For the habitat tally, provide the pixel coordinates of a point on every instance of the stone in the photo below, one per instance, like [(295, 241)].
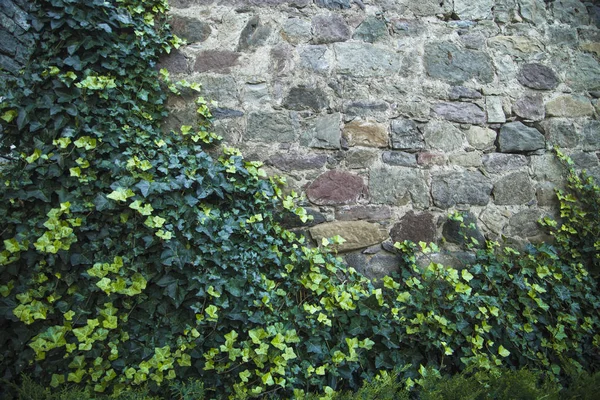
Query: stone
[(583, 73), (473, 41), (569, 106), (399, 158), (590, 135), (175, 62), (495, 112), (398, 186), (584, 160), (365, 60), (376, 267), (442, 135), (270, 127), (473, 9), (323, 132), (537, 76), (428, 159), (429, 7), (253, 35), (530, 107), (593, 47), (547, 168), (525, 223), (481, 138), (329, 29), (314, 58), (296, 31), (219, 61), (368, 213), (414, 227), (223, 89), (358, 234), (463, 232), (448, 62), (461, 92), (461, 188), (464, 113), (366, 108), (496, 163), (360, 158), (371, 30), (560, 132), (562, 35), (282, 59), (366, 133), (298, 162), (472, 159), (515, 137), (334, 4), (306, 98), (407, 27), (226, 113), (516, 46), (406, 135), (335, 188), (533, 11), (513, 189), (291, 220), (191, 29), (570, 12)]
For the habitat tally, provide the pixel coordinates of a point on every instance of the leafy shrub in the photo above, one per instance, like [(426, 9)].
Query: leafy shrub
[(134, 257)]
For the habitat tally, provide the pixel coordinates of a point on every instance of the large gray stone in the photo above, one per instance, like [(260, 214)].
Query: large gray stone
[(323, 132), (428, 7), (294, 161), (530, 107), (461, 92), (537, 76), (446, 61), (358, 234), (570, 12), (253, 35), (515, 137), (569, 106), (191, 29), (525, 223), (364, 108), (334, 4), (465, 188), (175, 62), (414, 227), (547, 167), (359, 158), (360, 212), (463, 232), (306, 98), (371, 30), (335, 188), (516, 46), (590, 135), (406, 135), (442, 135), (481, 138), (464, 113), (495, 111), (397, 186), (560, 132), (314, 58), (399, 158), (365, 60), (270, 127), (515, 188), (473, 9), (584, 73), (533, 11), (496, 163), (296, 30), (329, 29)]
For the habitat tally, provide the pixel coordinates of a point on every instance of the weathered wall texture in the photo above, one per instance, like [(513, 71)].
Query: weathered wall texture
[(16, 36), (390, 114)]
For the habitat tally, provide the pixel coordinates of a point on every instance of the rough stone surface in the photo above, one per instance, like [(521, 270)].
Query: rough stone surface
[(397, 186), (366, 133), (496, 163), (561, 132), (296, 162), (334, 4), (465, 113), (461, 92), (473, 10), (537, 76), (530, 107), (371, 30), (514, 188), (306, 98), (516, 46), (329, 29), (369, 213), (290, 220), (336, 188), (365, 60), (515, 137), (220, 61), (399, 158), (190, 29), (454, 232), (569, 106), (590, 135), (481, 138), (270, 127), (176, 63), (414, 227), (442, 135), (296, 30), (358, 234), (360, 158), (428, 159), (323, 132), (253, 35), (315, 58), (468, 188), (583, 73), (572, 12), (472, 159), (524, 223), (448, 62), (406, 135), (495, 112)]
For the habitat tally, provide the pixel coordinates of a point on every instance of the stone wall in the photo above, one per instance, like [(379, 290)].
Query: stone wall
[(16, 36), (391, 114)]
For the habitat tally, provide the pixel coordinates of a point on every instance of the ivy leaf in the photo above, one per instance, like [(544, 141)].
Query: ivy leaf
[(121, 194), (503, 352)]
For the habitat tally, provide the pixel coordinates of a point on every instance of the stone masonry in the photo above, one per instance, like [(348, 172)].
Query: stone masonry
[(391, 114)]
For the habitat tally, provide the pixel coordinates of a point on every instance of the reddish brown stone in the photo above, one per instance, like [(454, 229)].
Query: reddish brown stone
[(335, 188), (175, 63), (216, 60), (414, 227)]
